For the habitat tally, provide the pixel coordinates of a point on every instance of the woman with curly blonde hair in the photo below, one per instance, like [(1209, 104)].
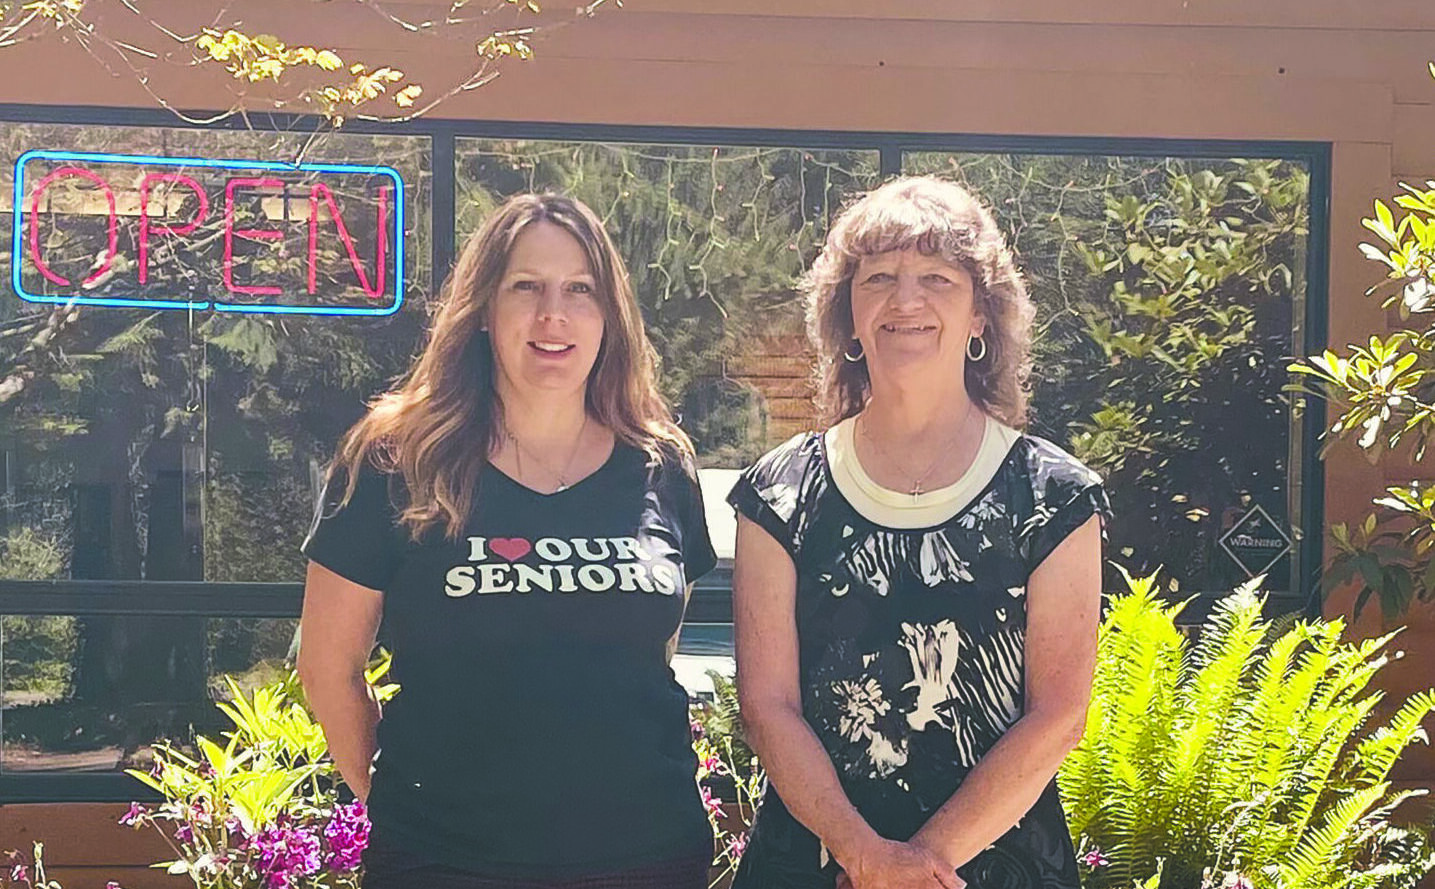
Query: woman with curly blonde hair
[(523, 515), (916, 588)]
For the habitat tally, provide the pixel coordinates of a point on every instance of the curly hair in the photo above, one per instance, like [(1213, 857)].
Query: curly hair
[(938, 218), (437, 426)]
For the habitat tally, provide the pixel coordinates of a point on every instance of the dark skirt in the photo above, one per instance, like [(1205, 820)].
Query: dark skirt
[(390, 866)]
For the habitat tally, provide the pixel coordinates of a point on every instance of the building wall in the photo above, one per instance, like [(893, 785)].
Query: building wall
[(1352, 75)]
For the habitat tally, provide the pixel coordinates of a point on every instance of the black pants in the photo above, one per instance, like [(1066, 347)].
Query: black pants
[(390, 866)]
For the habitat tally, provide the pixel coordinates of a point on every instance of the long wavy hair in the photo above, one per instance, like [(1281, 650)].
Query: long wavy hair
[(438, 425), (939, 218)]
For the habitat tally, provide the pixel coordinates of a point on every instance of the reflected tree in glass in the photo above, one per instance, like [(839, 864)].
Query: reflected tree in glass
[(715, 239), (1169, 294)]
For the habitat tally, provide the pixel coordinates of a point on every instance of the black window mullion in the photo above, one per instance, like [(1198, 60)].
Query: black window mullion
[(443, 202)]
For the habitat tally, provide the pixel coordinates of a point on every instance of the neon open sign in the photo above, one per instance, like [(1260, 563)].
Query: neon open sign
[(199, 233)]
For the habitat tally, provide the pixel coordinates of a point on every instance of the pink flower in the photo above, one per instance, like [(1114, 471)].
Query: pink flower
[(697, 729), (184, 833), (19, 874), (713, 764), (112, 885), (736, 846), (713, 804), (285, 853), (136, 815), (1094, 859)]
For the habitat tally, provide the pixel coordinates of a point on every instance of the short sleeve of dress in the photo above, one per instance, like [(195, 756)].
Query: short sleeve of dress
[(698, 555), (359, 541), (1067, 495), (767, 491)]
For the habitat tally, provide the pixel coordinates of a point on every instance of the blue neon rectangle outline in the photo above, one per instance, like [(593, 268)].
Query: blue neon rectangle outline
[(17, 242)]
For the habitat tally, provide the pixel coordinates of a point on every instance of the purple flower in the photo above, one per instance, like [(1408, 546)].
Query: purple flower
[(136, 815), (184, 833), (347, 835), (285, 852), (1095, 859), (697, 729)]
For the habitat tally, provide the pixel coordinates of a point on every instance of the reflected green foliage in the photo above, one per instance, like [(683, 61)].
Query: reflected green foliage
[(1166, 292), (1260, 750), (714, 238), (36, 653)]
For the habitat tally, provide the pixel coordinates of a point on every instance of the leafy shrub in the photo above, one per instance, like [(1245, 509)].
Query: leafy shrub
[(264, 809)]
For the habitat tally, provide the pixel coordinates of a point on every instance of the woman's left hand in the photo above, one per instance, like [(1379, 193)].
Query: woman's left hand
[(845, 882)]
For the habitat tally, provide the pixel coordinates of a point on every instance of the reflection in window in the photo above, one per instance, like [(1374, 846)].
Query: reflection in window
[(146, 444), (714, 239), (1169, 293), (169, 445)]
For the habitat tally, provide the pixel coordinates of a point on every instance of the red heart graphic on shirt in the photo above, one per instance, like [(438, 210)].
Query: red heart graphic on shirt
[(511, 548)]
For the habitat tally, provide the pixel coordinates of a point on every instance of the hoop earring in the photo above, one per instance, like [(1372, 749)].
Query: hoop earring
[(861, 352), (980, 355)]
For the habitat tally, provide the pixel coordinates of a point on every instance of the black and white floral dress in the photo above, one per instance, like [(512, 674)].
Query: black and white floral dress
[(911, 619)]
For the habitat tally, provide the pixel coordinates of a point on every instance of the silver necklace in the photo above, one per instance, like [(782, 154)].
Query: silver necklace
[(916, 489), (562, 475)]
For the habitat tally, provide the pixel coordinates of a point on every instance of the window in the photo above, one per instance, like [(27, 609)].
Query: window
[(143, 443), (150, 443)]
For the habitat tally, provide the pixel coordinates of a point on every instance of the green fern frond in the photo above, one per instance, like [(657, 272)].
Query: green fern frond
[(1253, 750)]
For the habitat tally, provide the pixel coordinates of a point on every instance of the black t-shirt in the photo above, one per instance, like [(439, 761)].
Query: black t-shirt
[(911, 651), (539, 731)]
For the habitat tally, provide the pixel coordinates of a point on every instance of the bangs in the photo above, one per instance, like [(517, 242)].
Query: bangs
[(898, 221)]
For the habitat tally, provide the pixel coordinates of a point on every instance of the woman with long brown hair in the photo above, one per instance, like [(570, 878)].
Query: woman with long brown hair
[(523, 514)]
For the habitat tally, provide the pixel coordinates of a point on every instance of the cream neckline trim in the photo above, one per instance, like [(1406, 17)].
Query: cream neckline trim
[(897, 509)]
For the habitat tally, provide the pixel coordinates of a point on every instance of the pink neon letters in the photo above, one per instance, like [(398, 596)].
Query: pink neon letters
[(145, 227), (154, 206), (112, 225)]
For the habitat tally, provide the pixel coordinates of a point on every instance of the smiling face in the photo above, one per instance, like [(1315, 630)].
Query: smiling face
[(546, 320), (913, 312)]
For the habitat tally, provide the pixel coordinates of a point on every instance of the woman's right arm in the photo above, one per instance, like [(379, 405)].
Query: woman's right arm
[(336, 637), (769, 696)]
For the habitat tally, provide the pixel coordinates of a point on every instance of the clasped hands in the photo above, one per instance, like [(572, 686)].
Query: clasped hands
[(892, 864)]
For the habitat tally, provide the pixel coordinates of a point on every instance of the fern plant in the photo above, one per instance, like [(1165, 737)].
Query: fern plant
[(1252, 757)]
